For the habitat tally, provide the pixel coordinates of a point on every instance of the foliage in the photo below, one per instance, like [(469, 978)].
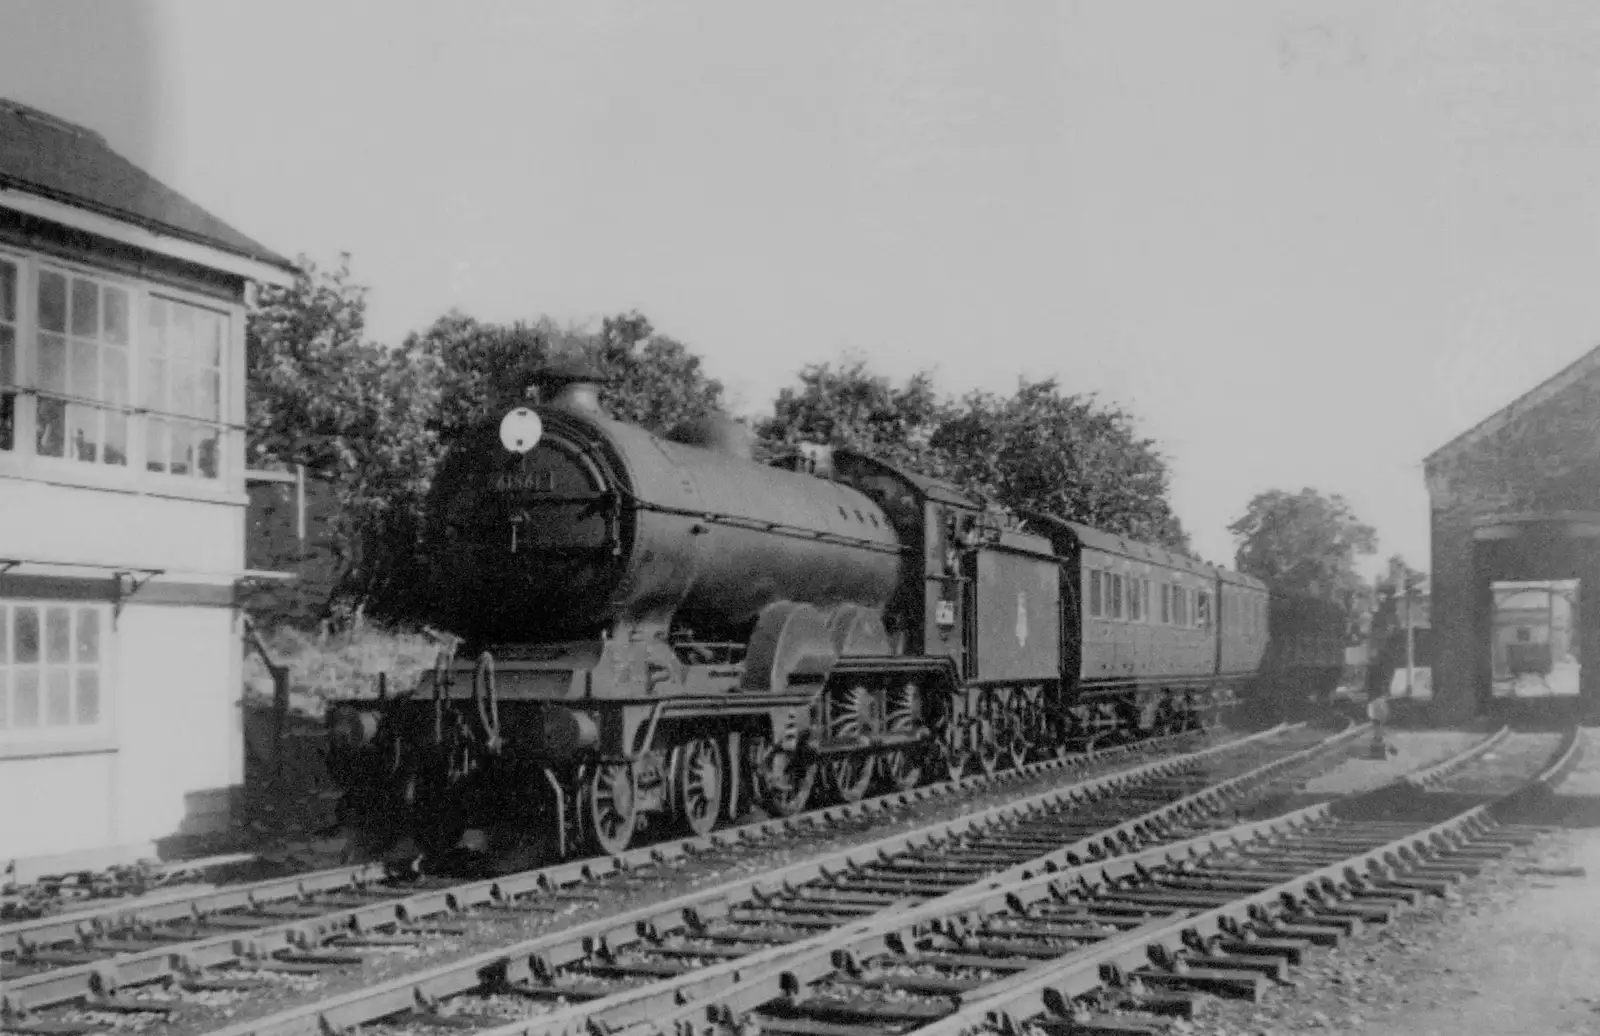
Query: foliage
[(847, 405), (372, 421), (1035, 450), (1304, 542), (647, 379), (321, 395), (346, 662), (1064, 455)]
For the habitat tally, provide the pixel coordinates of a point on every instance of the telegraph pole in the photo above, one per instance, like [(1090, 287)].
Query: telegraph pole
[(1411, 645), (1402, 589)]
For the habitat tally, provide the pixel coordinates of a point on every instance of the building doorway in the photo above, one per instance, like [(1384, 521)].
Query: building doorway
[(1534, 646)]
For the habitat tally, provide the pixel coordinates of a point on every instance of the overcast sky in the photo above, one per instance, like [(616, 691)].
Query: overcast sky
[(1306, 243)]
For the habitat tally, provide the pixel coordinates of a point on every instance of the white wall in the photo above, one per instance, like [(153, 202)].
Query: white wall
[(178, 715), (40, 520), (57, 804), (176, 730)]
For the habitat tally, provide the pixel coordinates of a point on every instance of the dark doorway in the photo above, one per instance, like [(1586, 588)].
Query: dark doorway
[(1533, 639), (1537, 597)]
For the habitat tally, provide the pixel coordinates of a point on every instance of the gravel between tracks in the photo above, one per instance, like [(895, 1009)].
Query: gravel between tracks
[(1514, 950), (1357, 773)]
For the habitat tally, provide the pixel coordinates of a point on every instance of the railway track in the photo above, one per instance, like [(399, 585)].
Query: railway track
[(262, 963), (106, 927), (1225, 911)]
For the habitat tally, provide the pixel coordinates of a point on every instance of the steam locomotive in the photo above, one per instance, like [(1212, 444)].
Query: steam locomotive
[(662, 632)]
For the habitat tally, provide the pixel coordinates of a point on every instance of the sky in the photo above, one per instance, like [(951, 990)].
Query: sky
[(1304, 242)]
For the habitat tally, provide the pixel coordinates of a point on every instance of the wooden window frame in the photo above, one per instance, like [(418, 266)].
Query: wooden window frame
[(43, 737), (24, 461)]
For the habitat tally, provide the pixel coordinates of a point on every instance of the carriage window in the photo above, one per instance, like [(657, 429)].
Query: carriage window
[(1116, 597), (1135, 605), (1180, 606), (1203, 610), (1166, 604), (1096, 603)]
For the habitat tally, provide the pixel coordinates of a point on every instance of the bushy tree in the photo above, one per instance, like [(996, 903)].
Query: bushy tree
[(1037, 449), (320, 394), (484, 369), (1303, 542), (845, 404), (1065, 455)]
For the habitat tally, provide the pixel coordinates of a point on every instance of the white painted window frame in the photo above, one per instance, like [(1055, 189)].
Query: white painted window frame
[(23, 461), (50, 740)]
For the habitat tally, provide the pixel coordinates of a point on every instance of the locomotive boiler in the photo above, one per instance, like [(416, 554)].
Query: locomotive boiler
[(659, 632)]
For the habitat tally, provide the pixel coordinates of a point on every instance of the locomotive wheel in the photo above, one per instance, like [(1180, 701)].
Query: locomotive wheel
[(850, 778), (609, 813), (699, 781), (781, 785), (902, 769), (951, 756)]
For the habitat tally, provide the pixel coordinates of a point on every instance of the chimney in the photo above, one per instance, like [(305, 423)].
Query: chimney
[(573, 385)]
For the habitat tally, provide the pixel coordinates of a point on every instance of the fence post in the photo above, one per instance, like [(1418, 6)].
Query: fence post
[(280, 696)]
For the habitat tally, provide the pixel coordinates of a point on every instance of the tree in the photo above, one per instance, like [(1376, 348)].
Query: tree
[(651, 380), (1303, 542), (1038, 450), (847, 405), (647, 379), (1065, 455), (321, 395)]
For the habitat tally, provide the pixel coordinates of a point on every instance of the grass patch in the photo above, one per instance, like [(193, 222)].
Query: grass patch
[(344, 664)]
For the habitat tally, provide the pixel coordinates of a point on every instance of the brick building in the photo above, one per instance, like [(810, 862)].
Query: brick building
[(122, 500), (1515, 498)]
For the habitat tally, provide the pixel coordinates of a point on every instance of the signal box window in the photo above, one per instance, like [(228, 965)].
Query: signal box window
[(1116, 597), (1096, 597), (1166, 604), (182, 383), (1180, 606), (50, 670), (82, 370), (1135, 601)]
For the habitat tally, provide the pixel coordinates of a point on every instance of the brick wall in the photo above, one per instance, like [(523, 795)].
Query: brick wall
[(1542, 459)]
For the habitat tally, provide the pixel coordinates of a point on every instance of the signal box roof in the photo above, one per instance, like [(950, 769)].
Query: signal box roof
[(55, 160)]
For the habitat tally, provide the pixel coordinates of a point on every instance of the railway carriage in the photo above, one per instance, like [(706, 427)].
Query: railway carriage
[(661, 632)]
